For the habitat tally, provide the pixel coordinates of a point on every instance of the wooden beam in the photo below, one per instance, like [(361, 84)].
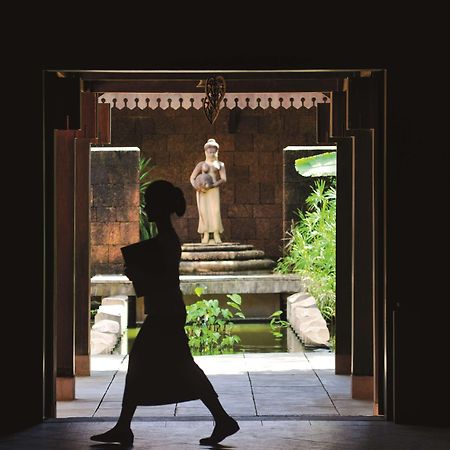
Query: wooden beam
[(308, 85), (203, 74)]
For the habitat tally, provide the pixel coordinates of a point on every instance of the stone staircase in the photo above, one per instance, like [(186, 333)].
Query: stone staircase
[(223, 259)]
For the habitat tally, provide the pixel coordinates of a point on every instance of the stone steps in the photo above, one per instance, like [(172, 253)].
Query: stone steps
[(222, 259), (222, 255), (224, 246), (190, 267)]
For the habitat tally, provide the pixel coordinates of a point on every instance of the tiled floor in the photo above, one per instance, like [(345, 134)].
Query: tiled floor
[(249, 386), (253, 435), (287, 401)]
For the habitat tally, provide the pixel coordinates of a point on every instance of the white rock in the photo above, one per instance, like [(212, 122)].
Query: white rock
[(99, 348), (108, 338), (115, 300), (306, 319), (102, 343), (106, 326), (117, 309), (109, 315)]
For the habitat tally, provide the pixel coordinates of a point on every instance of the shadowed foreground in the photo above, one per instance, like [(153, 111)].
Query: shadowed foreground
[(255, 434)]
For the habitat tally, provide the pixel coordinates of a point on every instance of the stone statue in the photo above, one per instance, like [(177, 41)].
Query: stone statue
[(206, 178)]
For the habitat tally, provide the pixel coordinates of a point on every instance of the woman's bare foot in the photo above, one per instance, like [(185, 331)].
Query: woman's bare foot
[(222, 429), (205, 238), (217, 239)]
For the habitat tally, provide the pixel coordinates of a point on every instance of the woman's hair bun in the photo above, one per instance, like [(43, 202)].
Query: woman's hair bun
[(164, 196), (179, 202)]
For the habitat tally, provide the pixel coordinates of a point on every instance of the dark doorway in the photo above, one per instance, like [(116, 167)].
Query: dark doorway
[(353, 120)]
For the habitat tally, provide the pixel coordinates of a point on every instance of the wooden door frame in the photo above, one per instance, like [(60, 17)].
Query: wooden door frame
[(288, 76)]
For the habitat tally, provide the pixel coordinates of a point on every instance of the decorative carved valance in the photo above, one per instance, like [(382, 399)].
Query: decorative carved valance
[(231, 100)]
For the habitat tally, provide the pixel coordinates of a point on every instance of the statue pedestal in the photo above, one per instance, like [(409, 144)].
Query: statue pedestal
[(231, 267), (226, 258), (220, 269)]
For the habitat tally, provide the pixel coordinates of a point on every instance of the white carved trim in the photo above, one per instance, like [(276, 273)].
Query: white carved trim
[(252, 100)]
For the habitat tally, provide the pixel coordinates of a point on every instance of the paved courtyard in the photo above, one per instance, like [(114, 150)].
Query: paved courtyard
[(250, 385), (282, 401)]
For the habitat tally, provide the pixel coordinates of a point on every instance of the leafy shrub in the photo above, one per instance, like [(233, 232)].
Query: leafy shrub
[(276, 324), (311, 247), (209, 327), (147, 229)]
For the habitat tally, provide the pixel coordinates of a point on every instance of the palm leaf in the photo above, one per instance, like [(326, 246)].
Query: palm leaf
[(317, 166)]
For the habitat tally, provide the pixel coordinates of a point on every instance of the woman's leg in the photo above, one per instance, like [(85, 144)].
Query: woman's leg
[(215, 407), (121, 431), (126, 416), (225, 424)]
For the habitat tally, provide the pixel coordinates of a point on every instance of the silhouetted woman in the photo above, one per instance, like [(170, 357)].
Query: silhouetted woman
[(161, 368)]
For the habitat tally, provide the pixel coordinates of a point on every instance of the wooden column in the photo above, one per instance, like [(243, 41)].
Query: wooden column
[(104, 123), (323, 122), (64, 176), (88, 128), (344, 233), (338, 114), (361, 99), (363, 257), (62, 110), (366, 105), (82, 255), (85, 137), (376, 120), (344, 254)]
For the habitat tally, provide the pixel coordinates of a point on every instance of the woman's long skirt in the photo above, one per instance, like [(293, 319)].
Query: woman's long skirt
[(161, 369), (209, 218)]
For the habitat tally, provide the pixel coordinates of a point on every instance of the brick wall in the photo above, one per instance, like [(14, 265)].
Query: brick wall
[(251, 146), (114, 207)]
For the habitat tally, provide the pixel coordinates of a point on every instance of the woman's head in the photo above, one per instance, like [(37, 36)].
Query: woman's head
[(162, 198), (211, 148)]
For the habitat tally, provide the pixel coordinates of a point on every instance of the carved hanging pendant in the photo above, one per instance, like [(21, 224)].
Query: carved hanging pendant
[(214, 94)]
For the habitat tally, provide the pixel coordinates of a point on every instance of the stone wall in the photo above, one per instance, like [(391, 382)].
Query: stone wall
[(114, 206), (251, 146)]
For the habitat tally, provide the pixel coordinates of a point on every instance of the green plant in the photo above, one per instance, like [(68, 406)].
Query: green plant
[(276, 324), (311, 247), (147, 229), (320, 165), (95, 303), (208, 326)]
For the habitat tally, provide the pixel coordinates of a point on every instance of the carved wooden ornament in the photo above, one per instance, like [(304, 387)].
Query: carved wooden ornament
[(215, 92)]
